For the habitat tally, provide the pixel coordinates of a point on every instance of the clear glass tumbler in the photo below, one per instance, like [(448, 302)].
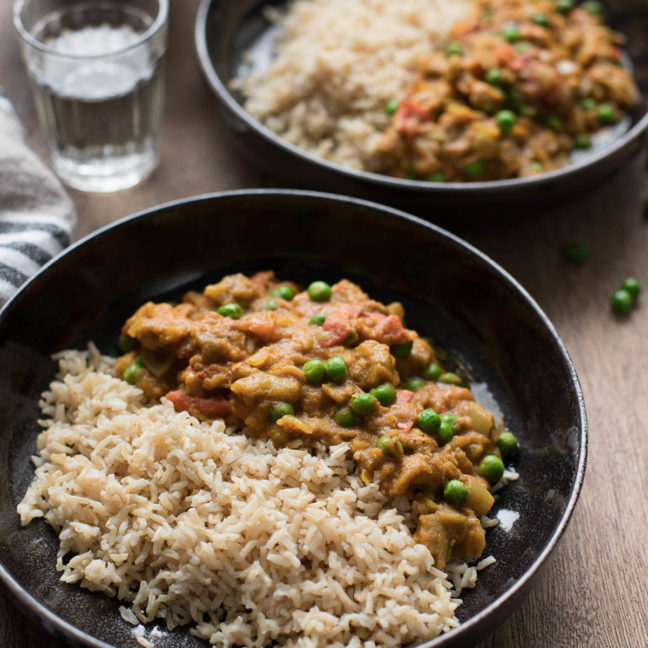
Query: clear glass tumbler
[(96, 71)]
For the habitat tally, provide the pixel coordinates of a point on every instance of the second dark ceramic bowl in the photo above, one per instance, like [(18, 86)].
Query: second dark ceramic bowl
[(226, 30), (451, 292)]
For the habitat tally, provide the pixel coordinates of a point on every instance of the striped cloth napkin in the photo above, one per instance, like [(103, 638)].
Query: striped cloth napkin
[(36, 215)]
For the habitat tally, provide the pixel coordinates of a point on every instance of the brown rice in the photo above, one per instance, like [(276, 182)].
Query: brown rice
[(338, 63), (194, 524)]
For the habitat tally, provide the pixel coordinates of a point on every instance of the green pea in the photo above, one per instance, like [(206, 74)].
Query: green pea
[(454, 49), (445, 432), (284, 292), (402, 350), (577, 253), (315, 371), (455, 492), (231, 310), (474, 169), (583, 141), (410, 175), (450, 378), (606, 114), (493, 76), (507, 444), (632, 285), (491, 468), (588, 103), (127, 343), (564, 6), (319, 291), (391, 446), (536, 166), (281, 409), (541, 19), (428, 421), (555, 123), (511, 34), (505, 120), (131, 372), (622, 301), (432, 371), (344, 417), (392, 107), (385, 394), (437, 177), (271, 305), (593, 7), (362, 404), (414, 383), (451, 420), (318, 319), (336, 369)]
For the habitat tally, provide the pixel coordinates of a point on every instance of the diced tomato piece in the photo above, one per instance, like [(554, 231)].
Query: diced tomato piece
[(387, 329), (403, 396), (504, 53), (520, 62), (393, 331), (260, 280), (263, 326), (410, 118), (405, 426), (337, 328), (213, 407)]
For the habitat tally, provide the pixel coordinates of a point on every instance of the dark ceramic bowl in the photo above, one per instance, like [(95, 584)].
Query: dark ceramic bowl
[(451, 292), (226, 30)]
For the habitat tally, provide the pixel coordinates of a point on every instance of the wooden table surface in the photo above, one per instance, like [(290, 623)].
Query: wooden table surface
[(593, 593)]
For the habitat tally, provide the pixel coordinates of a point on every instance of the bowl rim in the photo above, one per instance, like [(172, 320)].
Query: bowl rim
[(38, 609), (227, 99)]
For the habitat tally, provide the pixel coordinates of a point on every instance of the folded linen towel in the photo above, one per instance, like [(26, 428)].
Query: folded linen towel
[(36, 215)]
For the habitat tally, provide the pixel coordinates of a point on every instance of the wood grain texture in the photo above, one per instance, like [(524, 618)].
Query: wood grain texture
[(593, 592)]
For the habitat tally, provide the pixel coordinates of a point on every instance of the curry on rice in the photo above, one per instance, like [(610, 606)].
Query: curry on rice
[(461, 91), (328, 363)]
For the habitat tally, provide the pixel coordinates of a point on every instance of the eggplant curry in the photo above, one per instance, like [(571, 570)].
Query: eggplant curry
[(515, 90), (328, 363)]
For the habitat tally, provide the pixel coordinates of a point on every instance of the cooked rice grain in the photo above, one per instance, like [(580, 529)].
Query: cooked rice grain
[(194, 525), (338, 64)]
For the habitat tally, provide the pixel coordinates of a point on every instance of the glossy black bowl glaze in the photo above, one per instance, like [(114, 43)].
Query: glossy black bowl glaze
[(225, 30), (451, 292)]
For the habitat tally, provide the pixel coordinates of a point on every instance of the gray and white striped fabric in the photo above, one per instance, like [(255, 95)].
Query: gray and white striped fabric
[(36, 215)]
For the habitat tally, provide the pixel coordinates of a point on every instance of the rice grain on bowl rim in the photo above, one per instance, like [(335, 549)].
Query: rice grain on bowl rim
[(191, 523), (339, 64)]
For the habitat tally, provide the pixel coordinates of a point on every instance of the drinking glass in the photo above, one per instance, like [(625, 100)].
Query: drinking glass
[(96, 72)]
